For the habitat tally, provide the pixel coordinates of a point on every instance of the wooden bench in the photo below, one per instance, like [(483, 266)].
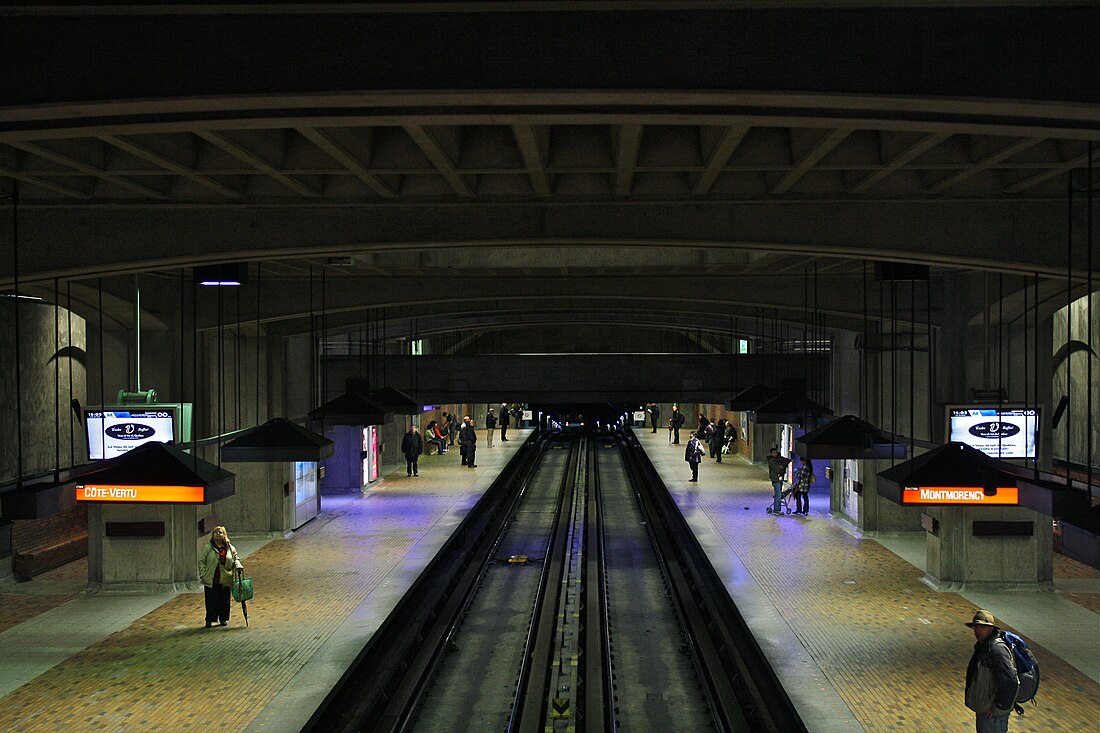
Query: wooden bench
[(38, 560)]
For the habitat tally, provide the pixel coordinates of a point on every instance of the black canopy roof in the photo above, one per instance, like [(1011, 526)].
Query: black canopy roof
[(954, 464), (161, 464), (748, 399), (351, 408), (277, 440), (789, 407), (848, 437)]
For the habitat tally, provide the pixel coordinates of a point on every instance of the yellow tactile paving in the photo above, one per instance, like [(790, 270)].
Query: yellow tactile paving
[(895, 650), (166, 672)]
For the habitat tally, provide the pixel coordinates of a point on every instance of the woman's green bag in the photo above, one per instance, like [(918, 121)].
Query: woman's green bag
[(242, 589)]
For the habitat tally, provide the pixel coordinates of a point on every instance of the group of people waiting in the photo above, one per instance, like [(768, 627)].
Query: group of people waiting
[(443, 436), (721, 437)]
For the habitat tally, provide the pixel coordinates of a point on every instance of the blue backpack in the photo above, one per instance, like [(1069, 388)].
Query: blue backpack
[(1027, 668)]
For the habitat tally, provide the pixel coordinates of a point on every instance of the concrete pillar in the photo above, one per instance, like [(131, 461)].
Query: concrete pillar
[(878, 515), (50, 433), (959, 557), (262, 505), (142, 548)]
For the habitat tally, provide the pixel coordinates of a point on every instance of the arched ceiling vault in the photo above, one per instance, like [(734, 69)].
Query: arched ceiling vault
[(700, 164)]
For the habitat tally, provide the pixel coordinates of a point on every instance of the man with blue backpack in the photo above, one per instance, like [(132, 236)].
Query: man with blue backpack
[(1002, 673)]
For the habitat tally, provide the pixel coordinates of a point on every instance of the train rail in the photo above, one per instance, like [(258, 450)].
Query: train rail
[(573, 597)]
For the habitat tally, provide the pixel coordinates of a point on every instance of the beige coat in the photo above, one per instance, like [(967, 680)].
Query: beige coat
[(208, 565)]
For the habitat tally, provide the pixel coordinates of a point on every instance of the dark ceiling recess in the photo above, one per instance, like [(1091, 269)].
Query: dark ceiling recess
[(277, 440), (232, 273)]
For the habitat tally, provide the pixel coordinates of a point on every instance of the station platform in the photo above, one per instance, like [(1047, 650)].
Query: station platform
[(104, 662), (860, 642)]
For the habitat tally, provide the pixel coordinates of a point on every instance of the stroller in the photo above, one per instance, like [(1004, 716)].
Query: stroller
[(784, 498)]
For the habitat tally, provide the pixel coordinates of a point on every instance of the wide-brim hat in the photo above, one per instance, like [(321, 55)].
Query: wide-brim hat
[(982, 618)]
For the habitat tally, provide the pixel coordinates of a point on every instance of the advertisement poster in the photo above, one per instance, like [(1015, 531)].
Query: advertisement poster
[(370, 454), (305, 492)]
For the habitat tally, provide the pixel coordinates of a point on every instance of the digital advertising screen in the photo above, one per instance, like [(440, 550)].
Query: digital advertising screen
[(113, 431), (999, 432)]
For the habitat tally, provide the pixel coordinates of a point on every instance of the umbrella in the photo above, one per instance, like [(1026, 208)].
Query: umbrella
[(242, 591)]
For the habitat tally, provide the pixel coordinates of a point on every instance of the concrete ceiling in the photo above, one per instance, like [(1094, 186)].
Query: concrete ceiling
[(424, 200)]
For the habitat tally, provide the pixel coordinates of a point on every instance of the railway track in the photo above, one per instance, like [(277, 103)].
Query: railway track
[(574, 598)]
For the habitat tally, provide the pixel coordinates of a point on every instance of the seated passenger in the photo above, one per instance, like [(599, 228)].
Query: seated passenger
[(435, 437)]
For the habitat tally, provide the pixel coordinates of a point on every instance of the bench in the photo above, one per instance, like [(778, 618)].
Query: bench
[(38, 560)]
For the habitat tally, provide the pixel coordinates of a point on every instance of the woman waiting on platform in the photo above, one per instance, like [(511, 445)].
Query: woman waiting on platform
[(217, 562), (802, 487)]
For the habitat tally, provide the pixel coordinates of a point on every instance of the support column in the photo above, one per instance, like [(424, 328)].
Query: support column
[(142, 548), (962, 554), (263, 504)]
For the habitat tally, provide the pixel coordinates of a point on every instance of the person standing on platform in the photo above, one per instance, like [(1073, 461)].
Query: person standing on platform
[(654, 411), (505, 419), (702, 429), (802, 487), (467, 438), (693, 454), (717, 440), (490, 426), (991, 680), (677, 422), (450, 427), (412, 446), (777, 469), (217, 562)]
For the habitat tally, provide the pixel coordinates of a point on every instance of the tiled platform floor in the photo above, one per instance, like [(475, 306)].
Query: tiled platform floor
[(892, 649), (319, 595)]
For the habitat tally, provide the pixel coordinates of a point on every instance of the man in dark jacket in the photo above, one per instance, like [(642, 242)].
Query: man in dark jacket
[(505, 419), (991, 680), (412, 445), (677, 423), (467, 438), (777, 470), (654, 411), (490, 427)]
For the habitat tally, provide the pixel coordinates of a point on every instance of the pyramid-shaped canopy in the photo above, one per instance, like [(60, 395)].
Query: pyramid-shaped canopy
[(394, 400), (848, 437), (160, 464), (1052, 498), (351, 408), (747, 399), (788, 407), (954, 465), (277, 440)]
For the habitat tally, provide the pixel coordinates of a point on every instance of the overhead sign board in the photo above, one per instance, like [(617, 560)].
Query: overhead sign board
[(967, 495), (146, 494)]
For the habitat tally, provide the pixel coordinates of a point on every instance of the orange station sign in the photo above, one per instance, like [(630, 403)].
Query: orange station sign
[(968, 495), (154, 494)]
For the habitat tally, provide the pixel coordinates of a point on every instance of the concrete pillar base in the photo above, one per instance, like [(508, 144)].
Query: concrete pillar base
[(142, 588), (985, 586)]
